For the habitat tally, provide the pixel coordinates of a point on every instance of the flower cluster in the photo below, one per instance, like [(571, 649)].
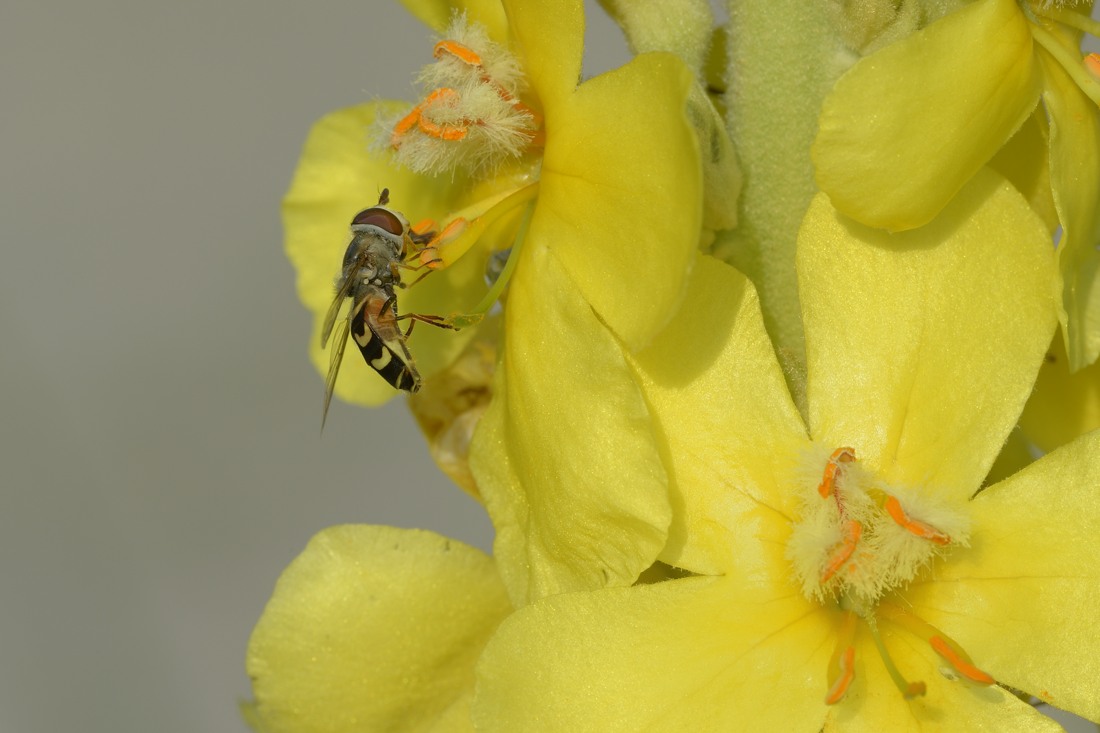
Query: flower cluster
[(748, 356)]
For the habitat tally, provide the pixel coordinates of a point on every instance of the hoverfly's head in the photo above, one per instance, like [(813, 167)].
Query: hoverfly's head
[(384, 223)]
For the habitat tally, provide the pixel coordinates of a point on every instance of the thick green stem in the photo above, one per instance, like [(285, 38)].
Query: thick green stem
[(784, 57)]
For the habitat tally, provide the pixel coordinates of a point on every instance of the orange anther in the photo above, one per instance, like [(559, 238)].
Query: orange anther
[(832, 468), (443, 132), (403, 125), (1092, 63), (423, 226), (914, 526), (843, 551), (457, 50), (957, 658), (847, 665), (454, 227), (437, 94)]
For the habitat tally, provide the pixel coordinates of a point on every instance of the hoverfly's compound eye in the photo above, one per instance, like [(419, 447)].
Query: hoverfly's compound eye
[(384, 219)]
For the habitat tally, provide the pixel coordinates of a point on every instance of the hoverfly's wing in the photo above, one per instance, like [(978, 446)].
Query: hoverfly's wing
[(334, 309), (334, 365)]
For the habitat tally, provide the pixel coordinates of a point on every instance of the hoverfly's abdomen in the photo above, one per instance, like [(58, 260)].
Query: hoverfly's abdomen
[(375, 331)]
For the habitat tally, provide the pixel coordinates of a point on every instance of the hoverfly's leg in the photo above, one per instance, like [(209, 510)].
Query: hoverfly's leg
[(391, 303), (437, 321), (422, 232)]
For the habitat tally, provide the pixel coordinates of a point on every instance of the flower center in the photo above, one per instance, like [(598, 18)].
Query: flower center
[(471, 116), (859, 540)]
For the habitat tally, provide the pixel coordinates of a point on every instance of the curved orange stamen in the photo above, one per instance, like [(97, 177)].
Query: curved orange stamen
[(913, 526), (403, 125), (457, 50), (847, 665), (957, 658), (832, 469), (843, 551)]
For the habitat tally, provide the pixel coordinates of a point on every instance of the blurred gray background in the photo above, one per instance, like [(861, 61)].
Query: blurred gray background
[(159, 446)]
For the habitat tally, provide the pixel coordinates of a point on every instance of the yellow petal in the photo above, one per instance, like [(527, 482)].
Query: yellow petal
[(1074, 161), (437, 14), (374, 628), (549, 35), (1063, 405), (1023, 599), (624, 222), (907, 126), (336, 178), (1025, 161), (564, 456), (721, 409), (698, 654), (874, 704), (923, 346), (1015, 454)]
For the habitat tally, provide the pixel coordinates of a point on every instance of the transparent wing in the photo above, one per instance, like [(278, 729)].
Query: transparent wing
[(336, 357), (334, 309)]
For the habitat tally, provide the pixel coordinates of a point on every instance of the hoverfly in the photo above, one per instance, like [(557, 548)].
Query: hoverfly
[(381, 239)]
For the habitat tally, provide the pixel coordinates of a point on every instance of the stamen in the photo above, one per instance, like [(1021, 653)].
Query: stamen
[(957, 658), (943, 644), (430, 254), (1070, 60), (842, 669), (403, 126), (494, 293), (458, 237), (456, 49), (832, 469), (423, 226), (443, 132), (908, 689), (840, 554), (914, 526)]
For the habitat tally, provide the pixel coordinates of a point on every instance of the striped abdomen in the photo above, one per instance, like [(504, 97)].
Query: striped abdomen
[(376, 332)]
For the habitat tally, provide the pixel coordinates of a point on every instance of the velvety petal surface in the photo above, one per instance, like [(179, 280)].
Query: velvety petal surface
[(565, 456), (698, 654), (337, 177), (907, 126), (1063, 405), (437, 14), (374, 628), (549, 36), (622, 219), (1074, 162), (922, 346), (726, 423), (1023, 600), (874, 704)]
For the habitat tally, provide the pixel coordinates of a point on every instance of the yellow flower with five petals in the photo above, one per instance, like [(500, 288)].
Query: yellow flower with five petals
[(850, 575)]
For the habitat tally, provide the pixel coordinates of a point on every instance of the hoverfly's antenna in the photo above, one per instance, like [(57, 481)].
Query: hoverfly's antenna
[(384, 197)]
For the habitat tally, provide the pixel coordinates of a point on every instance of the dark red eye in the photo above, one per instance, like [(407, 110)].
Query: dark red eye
[(381, 218)]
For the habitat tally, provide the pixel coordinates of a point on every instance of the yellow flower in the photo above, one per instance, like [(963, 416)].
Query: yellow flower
[(371, 629), (922, 348), (907, 126), (591, 169), (614, 195)]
